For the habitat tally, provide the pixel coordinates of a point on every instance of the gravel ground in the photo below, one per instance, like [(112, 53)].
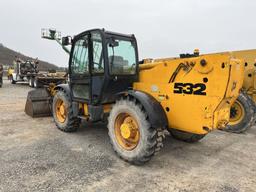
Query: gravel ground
[(35, 156)]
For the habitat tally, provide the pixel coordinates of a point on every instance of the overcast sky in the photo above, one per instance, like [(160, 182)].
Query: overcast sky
[(163, 28)]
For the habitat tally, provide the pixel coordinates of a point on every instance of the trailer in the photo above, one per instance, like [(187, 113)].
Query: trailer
[(24, 71), (27, 71), (47, 78)]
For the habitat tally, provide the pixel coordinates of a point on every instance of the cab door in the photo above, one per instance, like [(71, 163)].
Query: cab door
[(80, 78), (122, 64), (97, 67)]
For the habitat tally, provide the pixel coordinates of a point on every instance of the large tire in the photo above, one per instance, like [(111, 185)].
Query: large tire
[(146, 140), (31, 82), (185, 136), (65, 121), (241, 114), (252, 104)]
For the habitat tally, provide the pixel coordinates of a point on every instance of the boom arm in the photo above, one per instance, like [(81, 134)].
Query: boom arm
[(52, 34)]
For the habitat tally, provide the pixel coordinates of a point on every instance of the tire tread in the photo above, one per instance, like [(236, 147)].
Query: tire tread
[(154, 139)]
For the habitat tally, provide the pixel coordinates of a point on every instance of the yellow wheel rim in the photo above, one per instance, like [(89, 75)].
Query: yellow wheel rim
[(61, 111), (237, 113), (127, 131)]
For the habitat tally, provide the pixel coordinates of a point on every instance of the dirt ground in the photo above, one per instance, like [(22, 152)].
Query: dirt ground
[(36, 156)]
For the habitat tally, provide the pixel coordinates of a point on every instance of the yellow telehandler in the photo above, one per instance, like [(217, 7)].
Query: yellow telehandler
[(188, 96), (242, 114), (243, 111)]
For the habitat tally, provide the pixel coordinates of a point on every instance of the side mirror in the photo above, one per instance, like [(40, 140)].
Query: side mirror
[(114, 43), (66, 41)]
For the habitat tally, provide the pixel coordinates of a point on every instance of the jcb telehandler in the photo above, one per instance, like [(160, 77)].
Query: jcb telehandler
[(243, 111), (242, 114), (189, 96)]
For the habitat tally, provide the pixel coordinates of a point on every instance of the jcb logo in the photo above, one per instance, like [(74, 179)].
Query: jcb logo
[(189, 88)]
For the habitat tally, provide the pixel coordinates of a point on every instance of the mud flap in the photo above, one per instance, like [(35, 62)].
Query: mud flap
[(38, 103)]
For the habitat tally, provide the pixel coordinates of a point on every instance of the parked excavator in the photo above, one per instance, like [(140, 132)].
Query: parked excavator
[(188, 96)]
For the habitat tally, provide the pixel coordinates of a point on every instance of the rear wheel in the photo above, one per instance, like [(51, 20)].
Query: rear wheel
[(241, 114), (185, 136), (37, 84), (63, 112), (31, 82), (131, 134)]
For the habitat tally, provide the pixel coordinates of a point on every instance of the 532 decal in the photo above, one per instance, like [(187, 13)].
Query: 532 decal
[(190, 88)]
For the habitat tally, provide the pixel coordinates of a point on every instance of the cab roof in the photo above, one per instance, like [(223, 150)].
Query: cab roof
[(103, 31)]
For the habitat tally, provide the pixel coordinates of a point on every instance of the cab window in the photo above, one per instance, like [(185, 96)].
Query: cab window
[(98, 60), (80, 58), (122, 57)]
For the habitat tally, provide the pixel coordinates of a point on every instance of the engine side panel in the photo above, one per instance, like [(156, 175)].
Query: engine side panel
[(196, 98)]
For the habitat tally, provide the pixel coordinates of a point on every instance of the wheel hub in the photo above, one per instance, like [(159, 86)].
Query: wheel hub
[(233, 112), (237, 113), (62, 110), (127, 131)]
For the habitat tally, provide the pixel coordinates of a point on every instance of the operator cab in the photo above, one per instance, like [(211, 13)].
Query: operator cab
[(102, 64)]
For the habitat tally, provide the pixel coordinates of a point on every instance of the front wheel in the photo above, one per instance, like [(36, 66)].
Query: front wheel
[(241, 114), (63, 112), (130, 132), (185, 136)]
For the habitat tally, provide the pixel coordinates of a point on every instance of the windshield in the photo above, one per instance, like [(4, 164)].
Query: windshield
[(122, 57)]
